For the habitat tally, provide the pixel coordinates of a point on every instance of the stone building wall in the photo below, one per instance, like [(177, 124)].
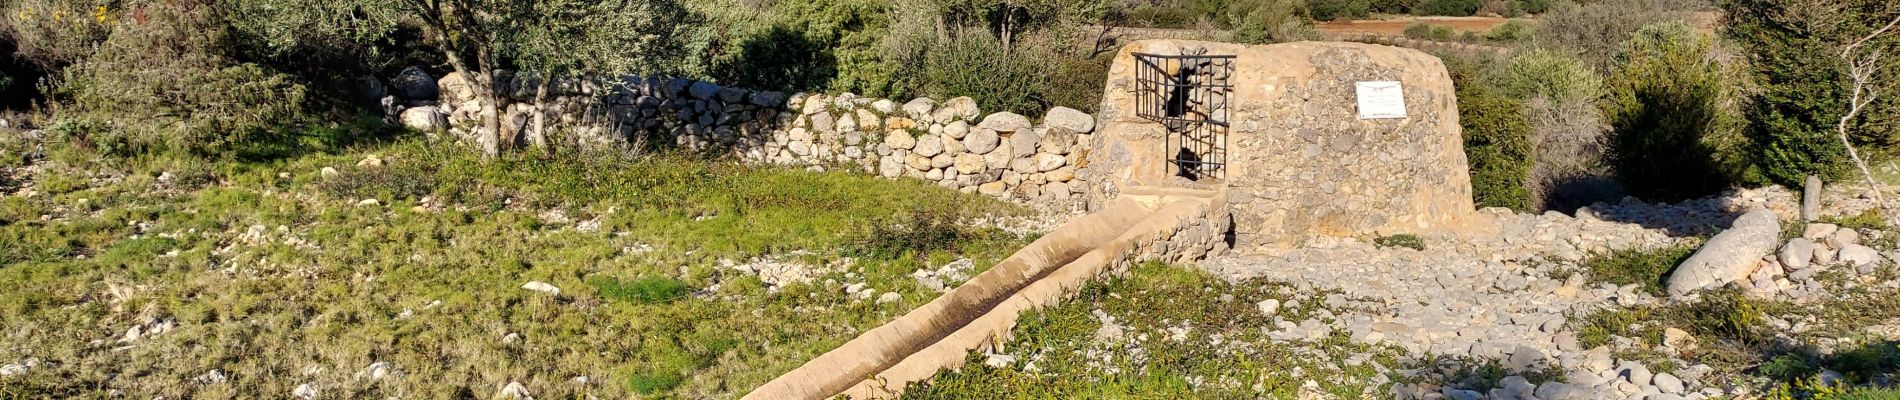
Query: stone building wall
[(1300, 163), (952, 143)]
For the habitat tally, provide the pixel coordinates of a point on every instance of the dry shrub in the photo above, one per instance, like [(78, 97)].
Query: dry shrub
[(1570, 140)]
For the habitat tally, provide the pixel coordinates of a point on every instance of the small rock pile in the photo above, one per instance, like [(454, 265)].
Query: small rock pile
[(1792, 271)]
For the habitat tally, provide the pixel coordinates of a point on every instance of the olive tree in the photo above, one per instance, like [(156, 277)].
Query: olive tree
[(478, 38)]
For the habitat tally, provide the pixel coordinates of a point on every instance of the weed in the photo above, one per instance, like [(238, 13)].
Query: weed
[(1405, 240), (1648, 267), (1870, 219)]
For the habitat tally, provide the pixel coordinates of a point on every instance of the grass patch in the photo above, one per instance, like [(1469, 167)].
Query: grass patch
[(1648, 267), (1405, 240), (271, 269), (1870, 219), (645, 290), (1169, 320)]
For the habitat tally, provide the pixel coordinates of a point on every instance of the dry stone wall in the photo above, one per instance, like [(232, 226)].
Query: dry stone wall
[(952, 143)]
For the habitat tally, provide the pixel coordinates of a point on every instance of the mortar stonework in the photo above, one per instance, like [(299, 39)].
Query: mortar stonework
[(1300, 163)]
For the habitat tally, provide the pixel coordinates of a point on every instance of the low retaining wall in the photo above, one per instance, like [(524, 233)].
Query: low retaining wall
[(951, 143)]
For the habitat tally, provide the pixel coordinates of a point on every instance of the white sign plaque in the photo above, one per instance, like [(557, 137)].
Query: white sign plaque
[(1381, 99)]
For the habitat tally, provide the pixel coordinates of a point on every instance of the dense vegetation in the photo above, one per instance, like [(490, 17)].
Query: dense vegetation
[(1619, 91)]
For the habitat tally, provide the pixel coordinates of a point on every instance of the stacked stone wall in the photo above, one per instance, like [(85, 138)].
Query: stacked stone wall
[(951, 143)]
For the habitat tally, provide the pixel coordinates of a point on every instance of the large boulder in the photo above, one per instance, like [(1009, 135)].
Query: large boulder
[(415, 84), (1729, 256)]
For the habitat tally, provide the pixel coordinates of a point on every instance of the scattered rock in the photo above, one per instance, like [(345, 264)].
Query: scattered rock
[(304, 392), (1269, 307), (1797, 253), (1858, 255), (514, 391), (1668, 383), (542, 287), (889, 297)]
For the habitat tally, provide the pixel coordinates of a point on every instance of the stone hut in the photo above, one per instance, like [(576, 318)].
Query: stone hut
[(1306, 139)]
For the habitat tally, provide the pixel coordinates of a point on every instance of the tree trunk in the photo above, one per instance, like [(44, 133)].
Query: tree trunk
[(538, 134)]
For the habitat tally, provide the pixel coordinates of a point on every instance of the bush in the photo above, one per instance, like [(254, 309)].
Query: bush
[(1271, 21), (1498, 147), (1418, 30), (1668, 110), (1514, 30), (1801, 91), (1330, 10), (1549, 74), (55, 33), (974, 64), (1597, 30), (1534, 6), (1454, 8), (167, 86), (1442, 32), (1559, 93)]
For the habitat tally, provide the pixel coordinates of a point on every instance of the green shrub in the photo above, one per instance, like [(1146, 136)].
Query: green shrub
[(1668, 111), (1800, 90), (1648, 267), (1418, 30), (1515, 30), (167, 87), (1534, 6), (1497, 141), (827, 44), (1549, 74), (975, 64), (1271, 21), (1442, 32), (1454, 8), (1329, 10), (1595, 31)]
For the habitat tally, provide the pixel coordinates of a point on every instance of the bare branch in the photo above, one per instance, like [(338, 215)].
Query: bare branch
[(1849, 50)]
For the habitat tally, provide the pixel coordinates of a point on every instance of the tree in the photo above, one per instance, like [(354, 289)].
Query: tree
[(1809, 58), (1667, 107), (543, 39)]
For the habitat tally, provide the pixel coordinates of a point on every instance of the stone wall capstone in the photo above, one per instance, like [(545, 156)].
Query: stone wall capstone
[(951, 143)]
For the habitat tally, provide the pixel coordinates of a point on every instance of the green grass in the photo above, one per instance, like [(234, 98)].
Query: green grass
[(1870, 219), (1648, 267), (1405, 240), (1146, 363), (429, 280), (645, 290)]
